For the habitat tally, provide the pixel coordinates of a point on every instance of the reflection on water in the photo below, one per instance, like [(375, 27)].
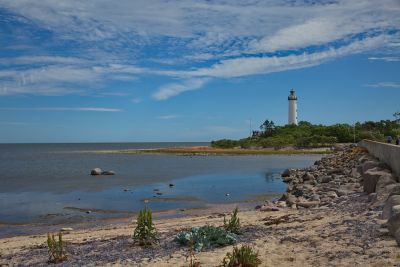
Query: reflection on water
[(49, 184)]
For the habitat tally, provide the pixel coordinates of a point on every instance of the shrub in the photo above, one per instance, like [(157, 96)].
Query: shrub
[(145, 233), (205, 237), (56, 248), (243, 257), (233, 225)]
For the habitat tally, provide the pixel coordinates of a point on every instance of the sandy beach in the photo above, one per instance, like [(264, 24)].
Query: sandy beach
[(344, 234)]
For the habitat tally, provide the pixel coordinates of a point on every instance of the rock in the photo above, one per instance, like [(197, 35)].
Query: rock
[(308, 177), (393, 224), (331, 194), (88, 211), (384, 187), (269, 208), (368, 165), (395, 190), (66, 229), (397, 237), (370, 179), (281, 204), (355, 173), (96, 171), (227, 194), (307, 204), (395, 209), (108, 173), (390, 203), (286, 173), (372, 197), (171, 185), (325, 179), (290, 200), (158, 193), (287, 179)]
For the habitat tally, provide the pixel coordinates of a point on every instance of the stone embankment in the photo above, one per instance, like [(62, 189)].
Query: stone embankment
[(338, 177)]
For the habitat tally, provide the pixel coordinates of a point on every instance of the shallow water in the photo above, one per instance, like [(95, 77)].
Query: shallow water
[(50, 183)]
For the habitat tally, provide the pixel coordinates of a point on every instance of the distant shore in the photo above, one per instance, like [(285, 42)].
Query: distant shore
[(205, 151)]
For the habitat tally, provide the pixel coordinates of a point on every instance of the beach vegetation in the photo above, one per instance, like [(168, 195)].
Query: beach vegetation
[(56, 248), (241, 257), (205, 237), (307, 135), (233, 225), (145, 234), (193, 262)]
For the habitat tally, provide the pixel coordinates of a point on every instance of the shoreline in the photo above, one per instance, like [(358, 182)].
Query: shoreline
[(209, 151)]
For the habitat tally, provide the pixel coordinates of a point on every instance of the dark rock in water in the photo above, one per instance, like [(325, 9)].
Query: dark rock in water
[(88, 211), (158, 193), (171, 185), (286, 173), (108, 173), (156, 190), (96, 171), (227, 194)]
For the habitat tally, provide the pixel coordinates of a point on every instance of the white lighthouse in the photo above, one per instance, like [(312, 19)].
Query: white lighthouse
[(292, 108)]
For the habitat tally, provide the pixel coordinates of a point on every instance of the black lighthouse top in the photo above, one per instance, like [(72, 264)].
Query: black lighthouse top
[(292, 95)]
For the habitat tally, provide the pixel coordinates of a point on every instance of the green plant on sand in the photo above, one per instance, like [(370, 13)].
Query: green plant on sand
[(205, 237), (243, 257), (233, 225), (191, 255), (145, 233), (56, 248)]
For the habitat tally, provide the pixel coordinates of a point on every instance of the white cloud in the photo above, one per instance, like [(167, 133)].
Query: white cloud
[(386, 59), (168, 117), (174, 89), (384, 85), (228, 38), (63, 109)]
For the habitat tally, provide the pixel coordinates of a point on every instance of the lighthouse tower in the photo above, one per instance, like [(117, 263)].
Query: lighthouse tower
[(292, 107)]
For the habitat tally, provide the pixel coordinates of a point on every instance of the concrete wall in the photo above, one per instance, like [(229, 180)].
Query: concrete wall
[(387, 153)]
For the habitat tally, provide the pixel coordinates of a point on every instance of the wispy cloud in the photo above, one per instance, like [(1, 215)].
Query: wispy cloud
[(174, 89), (168, 117), (64, 109), (111, 42), (384, 85), (386, 59)]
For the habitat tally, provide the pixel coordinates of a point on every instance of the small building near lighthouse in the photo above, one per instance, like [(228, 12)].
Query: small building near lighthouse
[(292, 108)]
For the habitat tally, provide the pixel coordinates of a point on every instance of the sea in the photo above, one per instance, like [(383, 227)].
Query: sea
[(50, 184)]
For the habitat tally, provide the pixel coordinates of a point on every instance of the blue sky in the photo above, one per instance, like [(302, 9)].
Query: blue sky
[(106, 71)]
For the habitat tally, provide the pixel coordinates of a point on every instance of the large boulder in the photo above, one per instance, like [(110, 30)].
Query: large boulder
[(96, 171), (390, 203), (393, 224), (384, 187), (370, 179)]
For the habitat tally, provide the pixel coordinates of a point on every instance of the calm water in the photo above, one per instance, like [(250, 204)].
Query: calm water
[(50, 183)]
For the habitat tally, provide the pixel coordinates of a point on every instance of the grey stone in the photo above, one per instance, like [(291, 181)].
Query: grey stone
[(286, 173), (308, 177), (370, 179), (397, 237), (393, 224), (96, 171), (395, 209), (390, 203), (325, 179)]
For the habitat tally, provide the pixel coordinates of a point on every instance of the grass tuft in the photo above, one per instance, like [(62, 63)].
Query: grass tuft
[(56, 248), (233, 225), (243, 257), (145, 233)]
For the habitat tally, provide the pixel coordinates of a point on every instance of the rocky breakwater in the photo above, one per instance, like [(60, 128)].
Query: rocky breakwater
[(338, 177)]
